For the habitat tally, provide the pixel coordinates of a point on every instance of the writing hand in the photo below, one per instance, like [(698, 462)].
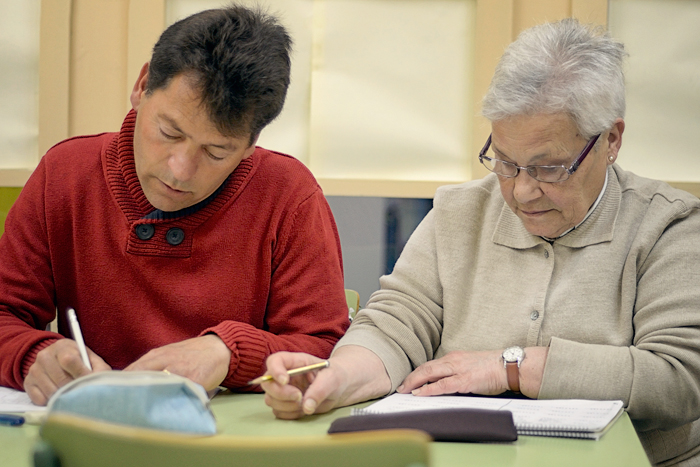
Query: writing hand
[(355, 374), (285, 395), (204, 360), (55, 366)]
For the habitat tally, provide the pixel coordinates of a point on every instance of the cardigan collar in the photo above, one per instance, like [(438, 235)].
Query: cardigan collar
[(597, 228)]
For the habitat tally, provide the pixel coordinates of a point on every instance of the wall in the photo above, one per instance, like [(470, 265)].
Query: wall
[(386, 140), (90, 52)]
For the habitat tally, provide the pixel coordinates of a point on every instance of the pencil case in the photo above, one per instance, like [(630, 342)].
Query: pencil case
[(475, 425), (146, 399)]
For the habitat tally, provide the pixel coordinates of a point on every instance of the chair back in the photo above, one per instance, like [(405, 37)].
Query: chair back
[(353, 300), (72, 441)]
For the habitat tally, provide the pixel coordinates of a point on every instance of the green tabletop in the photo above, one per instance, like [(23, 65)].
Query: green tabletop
[(247, 415)]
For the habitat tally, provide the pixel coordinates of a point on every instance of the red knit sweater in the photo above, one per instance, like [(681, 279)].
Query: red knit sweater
[(260, 265)]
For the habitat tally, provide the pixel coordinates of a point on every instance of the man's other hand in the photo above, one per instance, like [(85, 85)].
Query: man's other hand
[(204, 360)]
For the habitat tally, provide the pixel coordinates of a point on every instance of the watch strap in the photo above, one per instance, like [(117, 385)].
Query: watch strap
[(513, 374)]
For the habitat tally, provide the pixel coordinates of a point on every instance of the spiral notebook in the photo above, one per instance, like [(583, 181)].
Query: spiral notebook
[(567, 418)]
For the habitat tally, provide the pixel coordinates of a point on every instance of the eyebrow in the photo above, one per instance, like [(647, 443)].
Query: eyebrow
[(532, 159), (172, 123)]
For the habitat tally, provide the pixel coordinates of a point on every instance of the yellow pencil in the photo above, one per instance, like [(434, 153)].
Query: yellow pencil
[(295, 371)]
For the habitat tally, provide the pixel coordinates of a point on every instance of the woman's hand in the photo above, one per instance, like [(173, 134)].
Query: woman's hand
[(476, 373), (355, 374)]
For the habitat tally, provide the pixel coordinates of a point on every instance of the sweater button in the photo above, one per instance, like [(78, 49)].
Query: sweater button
[(546, 254), (534, 315), (175, 236), (145, 231)]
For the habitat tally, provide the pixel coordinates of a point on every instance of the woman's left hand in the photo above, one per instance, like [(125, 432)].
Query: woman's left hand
[(476, 373)]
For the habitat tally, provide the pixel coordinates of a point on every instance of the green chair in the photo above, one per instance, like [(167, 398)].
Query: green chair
[(72, 441), (353, 300), (8, 196)]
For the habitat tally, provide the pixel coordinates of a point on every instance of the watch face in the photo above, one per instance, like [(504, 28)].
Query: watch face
[(513, 354)]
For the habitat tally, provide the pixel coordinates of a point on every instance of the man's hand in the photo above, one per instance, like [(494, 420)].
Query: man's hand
[(476, 373), (204, 360), (355, 374), (55, 366)]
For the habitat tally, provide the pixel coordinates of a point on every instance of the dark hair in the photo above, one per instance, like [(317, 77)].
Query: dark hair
[(237, 58)]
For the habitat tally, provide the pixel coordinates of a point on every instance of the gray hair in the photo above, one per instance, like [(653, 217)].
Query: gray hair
[(561, 67)]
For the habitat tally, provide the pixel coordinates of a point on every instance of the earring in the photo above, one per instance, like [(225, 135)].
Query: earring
[(611, 158)]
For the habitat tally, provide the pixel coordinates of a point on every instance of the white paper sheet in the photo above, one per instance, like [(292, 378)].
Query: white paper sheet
[(12, 400)]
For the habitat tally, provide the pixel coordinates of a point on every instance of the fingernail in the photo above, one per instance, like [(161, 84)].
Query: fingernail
[(400, 388), (284, 379), (416, 392), (309, 406)]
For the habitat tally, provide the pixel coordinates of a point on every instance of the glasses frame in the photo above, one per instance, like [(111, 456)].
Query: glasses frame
[(529, 169)]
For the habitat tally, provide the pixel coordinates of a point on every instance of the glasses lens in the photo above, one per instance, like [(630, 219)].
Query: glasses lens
[(547, 173), (543, 173), (501, 168)]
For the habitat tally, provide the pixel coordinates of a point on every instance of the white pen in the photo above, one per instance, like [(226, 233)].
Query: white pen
[(78, 337)]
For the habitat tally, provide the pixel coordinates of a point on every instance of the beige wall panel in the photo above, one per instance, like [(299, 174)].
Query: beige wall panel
[(691, 187), (34, 101), (494, 31), (590, 11), (392, 90), (19, 82), (98, 65), (54, 73), (528, 13), (661, 139), (146, 20)]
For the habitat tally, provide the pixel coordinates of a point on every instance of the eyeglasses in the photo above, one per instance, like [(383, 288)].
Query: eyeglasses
[(542, 173)]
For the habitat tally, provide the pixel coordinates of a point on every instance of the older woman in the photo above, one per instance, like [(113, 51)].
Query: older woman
[(586, 274)]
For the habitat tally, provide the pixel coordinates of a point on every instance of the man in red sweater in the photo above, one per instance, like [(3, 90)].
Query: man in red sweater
[(181, 245)]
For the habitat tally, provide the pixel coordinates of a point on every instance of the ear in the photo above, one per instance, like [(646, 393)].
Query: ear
[(139, 87), (614, 141), (251, 149)]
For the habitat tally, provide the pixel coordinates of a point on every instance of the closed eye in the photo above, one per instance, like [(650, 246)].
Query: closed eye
[(167, 135), (212, 156), (506, 163), (548, 169)]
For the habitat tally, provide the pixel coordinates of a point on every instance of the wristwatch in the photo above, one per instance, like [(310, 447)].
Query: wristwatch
[(512, 358)]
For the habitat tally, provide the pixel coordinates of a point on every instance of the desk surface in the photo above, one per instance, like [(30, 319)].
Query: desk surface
[(247, 415)]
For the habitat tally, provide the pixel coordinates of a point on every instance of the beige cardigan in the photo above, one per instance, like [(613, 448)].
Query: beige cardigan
[(617, 300)]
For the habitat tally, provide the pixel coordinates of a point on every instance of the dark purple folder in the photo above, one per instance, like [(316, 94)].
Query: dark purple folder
[(441, 424)]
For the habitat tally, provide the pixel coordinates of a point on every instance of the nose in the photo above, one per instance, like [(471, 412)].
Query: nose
[(525, 188), (183, 162)]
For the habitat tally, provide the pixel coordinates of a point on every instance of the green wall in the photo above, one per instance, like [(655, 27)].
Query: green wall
[(8, 195)]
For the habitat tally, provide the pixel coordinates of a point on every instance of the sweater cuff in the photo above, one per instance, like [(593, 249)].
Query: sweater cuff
[(249, 350), (30, 357), (571, 366)]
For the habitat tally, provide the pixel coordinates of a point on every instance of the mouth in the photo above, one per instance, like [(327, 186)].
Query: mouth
[(173, 192), (171, 189), (534, 213)]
